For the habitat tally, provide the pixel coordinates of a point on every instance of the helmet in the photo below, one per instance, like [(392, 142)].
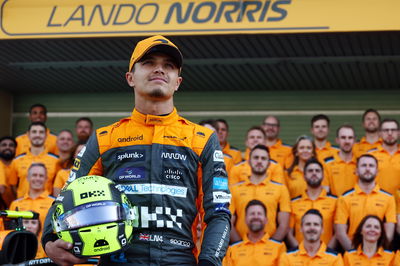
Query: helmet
[(93, 215)]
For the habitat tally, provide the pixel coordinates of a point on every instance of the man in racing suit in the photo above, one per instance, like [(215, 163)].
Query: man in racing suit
[(169, 167)]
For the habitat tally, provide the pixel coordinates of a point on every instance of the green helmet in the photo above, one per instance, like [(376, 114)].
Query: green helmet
[(93, 215)]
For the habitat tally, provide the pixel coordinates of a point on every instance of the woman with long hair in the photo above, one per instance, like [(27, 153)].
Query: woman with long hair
[(368, 242), (302, 151)]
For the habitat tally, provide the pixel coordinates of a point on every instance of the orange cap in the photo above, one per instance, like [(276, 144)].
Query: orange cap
[(156, 43)]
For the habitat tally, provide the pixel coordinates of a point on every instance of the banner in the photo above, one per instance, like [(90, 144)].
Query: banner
[(103, 18)]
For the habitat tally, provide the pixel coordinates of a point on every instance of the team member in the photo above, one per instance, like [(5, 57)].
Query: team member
[(341, 167), (257, 248), (37, 198), (273, 194), (388, 156), (312, 251), (83, 129), (366, 198), (36, 153), (223, 134), (279, 151), (320, 132), (370, 121), (8, 146), (303, 150), (65, 145), (149, 155), (37, 113), (315, 197), (34, 226), (241, 172), (368, 242)]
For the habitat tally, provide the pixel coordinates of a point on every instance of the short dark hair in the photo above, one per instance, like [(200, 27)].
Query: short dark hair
[(314, 212), (37, 123), (255, 202), (38, 105), (387, 120), (313, 160), (255, 128), (9, 138), (345, 126), (320, 117), (368, 156), (370, 110), (224, 122), (211, 122), (358, 238), (259, 147), (87, 119)]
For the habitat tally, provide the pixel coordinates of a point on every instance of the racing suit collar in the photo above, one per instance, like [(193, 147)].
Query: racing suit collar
[(154, 119)]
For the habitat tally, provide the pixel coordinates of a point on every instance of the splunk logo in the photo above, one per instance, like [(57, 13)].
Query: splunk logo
[(131, 155), (173, 155)]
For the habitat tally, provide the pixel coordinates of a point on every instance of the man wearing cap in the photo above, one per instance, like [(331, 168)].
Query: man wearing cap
[(176, 170)]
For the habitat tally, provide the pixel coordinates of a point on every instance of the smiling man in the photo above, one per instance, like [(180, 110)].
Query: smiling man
[(178, 166)]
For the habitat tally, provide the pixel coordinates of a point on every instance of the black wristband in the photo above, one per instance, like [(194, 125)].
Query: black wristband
[(48, 237)]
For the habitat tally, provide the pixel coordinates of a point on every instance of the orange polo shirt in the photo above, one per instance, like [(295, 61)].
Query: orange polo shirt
[(388, 176), (8, 195), (397, 198), (265, 252), (357, 257), (235, 153), (325, 203), (364, 146), (242, 171), (397, 259), (296, 183), (274, 195), (61, 178), (24, 144), (355, 204), (279, 152), (20, 166), (300, 257), (327, 151), (40, 205), (340, 175)]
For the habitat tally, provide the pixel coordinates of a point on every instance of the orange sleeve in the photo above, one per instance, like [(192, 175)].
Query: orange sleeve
[(233, 176), (284, 260), (342, 212), (390, 214), (284, 200), (2, 175), (13, 176)]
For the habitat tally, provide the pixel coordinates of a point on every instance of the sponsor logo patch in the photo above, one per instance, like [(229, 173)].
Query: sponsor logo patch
[(80, 154), (162, 216), (180, 242), (131, 173), (77, 164), (130, 138), (173, 173), (173, 155), (131, 155), (218, 156), (160, 189), (222, 207), (72, 176), (220, 183), (103, 133), (221, 197)]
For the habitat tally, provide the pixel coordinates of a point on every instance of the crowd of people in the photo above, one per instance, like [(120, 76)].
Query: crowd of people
[(307, 204)]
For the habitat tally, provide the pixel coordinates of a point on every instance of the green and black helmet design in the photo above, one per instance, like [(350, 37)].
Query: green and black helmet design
[(93, 215)]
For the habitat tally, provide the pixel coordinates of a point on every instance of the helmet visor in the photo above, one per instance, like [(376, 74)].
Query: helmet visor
[(91, 214)]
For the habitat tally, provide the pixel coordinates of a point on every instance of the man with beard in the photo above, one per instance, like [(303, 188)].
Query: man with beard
[(320, 132), (341, 167), (279, 151), (370, 122), (315, 197), (36, 154), (66, 146), (258, 186), (37, 113), (388, 156), (312, 251), (241, 171), (8, 146), (366, 198), (83, 129), (257, 248)]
